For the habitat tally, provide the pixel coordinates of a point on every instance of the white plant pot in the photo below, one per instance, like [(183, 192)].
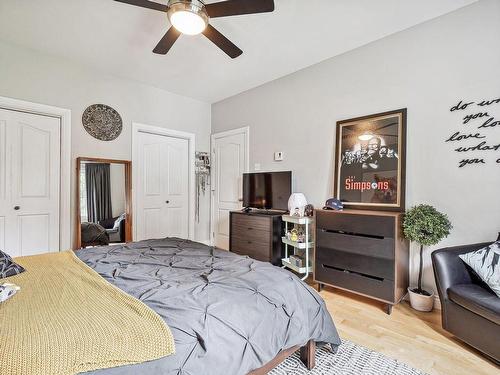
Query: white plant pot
[(421, 302)]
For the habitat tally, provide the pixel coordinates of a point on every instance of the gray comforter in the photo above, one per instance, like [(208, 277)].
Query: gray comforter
[(229, 314)]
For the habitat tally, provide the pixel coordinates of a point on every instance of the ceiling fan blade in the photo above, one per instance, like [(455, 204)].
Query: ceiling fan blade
[(237, 7), (167, 41), (222, 42), (146, 4)]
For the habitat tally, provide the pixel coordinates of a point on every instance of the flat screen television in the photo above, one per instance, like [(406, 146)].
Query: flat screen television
[(267, 190)]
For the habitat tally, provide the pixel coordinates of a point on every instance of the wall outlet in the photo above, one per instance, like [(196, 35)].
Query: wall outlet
[(256, 167), (278, 156)]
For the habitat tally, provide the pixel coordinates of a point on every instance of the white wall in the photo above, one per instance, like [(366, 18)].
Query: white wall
[(426, 69), (32, 76)]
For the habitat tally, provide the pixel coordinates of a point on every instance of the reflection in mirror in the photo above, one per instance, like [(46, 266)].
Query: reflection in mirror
[(103, 206)]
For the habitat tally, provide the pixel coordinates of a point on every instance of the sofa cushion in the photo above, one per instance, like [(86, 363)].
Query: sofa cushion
[(486, 263), (476, 299)]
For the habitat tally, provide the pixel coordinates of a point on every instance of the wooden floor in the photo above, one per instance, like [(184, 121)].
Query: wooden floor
[(407, 335)]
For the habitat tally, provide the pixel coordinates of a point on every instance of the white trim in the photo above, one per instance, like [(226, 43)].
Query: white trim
[(191, 138), (246, 132), (65, 188)]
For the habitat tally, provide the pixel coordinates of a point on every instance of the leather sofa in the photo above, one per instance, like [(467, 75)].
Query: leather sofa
[(115, 228), (469, 309)]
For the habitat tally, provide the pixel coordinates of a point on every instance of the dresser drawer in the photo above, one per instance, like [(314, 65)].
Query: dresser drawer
[(356, 244), (249, 232), (257, 224), (381, 289), (372, 225), (364, 264), (256, 249)]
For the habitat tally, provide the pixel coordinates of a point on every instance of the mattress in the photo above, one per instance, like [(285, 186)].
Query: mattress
[(229, 314)]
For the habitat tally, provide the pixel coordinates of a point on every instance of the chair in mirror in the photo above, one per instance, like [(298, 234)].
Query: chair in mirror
[(104, 202)]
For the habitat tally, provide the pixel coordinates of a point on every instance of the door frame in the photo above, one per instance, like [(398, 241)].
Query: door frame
[(245, 130), (64, 116), (156, 130)]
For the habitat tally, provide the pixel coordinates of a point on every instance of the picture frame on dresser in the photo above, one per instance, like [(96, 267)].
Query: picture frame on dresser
[(370, 161)]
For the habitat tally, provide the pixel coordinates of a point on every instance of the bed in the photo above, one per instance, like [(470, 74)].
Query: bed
[(229, 314)]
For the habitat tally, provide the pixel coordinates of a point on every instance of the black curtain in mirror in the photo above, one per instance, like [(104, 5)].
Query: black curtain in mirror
[(98, 183)]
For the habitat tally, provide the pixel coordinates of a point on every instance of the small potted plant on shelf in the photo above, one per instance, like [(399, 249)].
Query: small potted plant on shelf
[(426, 226)]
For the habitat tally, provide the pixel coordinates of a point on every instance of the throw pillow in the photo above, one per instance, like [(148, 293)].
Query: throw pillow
[(485, 262), (8, 267), (7, 290)]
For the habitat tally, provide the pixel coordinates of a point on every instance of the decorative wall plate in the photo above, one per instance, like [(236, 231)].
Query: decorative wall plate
[(102, 122)]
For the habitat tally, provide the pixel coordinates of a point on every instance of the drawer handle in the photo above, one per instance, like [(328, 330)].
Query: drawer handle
[(352, 233), (250, 228), (249, 242), (354, 272)]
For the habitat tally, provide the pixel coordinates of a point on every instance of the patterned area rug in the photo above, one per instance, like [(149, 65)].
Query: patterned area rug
[(350, 359)]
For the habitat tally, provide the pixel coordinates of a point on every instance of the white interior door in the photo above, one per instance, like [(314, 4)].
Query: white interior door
[(29, 183), (229, 155), (163, 187)]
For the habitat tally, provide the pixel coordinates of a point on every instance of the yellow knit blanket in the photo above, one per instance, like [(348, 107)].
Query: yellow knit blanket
[(67, 319)]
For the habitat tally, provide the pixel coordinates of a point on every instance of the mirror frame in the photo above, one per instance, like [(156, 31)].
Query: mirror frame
[(128, 197)]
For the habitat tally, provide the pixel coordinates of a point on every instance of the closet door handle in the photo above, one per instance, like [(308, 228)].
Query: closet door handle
[(17, 208), (167, 202)]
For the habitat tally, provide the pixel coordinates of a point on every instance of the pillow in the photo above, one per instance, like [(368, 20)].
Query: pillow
[(8, 267), (7, 290), (485, 262), (118, 221)]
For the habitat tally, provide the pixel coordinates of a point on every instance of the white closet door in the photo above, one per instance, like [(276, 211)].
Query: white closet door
[(30, 178), (163, 190), (230, 164)]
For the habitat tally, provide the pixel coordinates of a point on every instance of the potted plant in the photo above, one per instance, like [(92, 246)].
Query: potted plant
[(426, 226)]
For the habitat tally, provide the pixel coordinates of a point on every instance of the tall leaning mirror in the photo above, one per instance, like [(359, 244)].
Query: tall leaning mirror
[(104, 202)]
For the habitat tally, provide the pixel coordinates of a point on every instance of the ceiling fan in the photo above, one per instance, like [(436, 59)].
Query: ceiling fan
[(192, 17)]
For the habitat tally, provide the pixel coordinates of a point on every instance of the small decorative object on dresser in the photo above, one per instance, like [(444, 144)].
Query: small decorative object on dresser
[(333, 204), (363, 252), (426, 226)]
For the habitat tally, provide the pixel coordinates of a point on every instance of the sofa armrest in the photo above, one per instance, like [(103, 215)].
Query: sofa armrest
[(450, 270)]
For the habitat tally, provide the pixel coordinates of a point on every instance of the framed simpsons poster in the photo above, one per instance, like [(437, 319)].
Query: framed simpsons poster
[(370, 161)]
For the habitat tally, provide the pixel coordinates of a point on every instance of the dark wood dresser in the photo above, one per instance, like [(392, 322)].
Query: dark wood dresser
[(363, 252), (256, 234)]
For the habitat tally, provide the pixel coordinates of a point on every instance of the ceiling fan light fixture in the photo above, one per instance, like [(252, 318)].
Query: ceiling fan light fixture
[(188, 17)]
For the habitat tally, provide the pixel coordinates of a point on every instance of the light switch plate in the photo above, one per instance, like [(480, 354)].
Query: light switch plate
[(278, 156), (256, 167)]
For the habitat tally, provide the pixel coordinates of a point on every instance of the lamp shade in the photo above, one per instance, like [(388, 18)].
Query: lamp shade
[(297, 201)]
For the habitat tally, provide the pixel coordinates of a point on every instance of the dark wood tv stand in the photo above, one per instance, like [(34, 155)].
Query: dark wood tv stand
[(257, 234)]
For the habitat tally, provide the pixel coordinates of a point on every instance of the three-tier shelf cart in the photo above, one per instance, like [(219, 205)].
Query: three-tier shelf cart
[(303, 248)]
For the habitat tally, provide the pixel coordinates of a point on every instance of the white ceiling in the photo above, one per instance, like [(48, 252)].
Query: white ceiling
[(118, 38)]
